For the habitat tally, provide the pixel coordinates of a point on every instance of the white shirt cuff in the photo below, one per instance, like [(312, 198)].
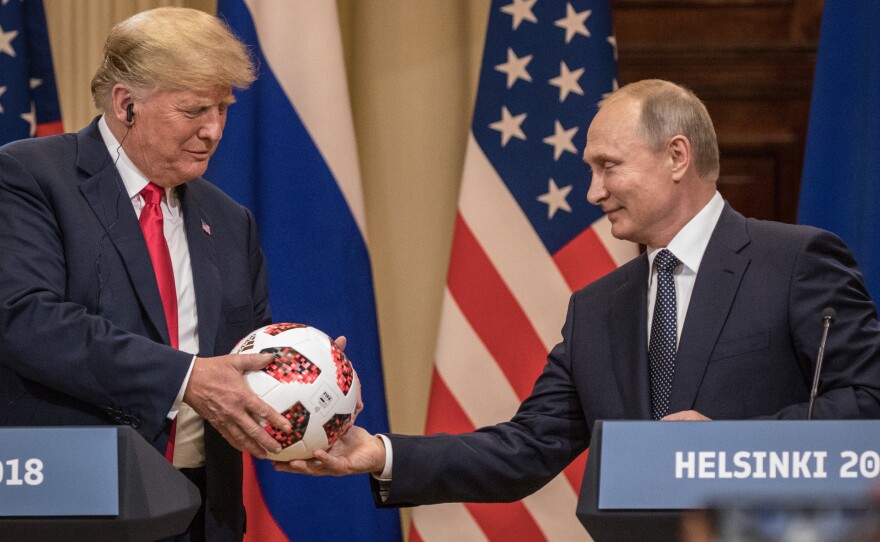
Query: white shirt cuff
[(389, 457), (175, 407)]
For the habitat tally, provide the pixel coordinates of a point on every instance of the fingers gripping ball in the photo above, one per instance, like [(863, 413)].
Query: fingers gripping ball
[(310, 382)]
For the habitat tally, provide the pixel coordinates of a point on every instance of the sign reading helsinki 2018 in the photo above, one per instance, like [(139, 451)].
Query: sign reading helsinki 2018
[(671, 465)]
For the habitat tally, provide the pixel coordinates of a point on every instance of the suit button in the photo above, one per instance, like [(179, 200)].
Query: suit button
[(135, 423)]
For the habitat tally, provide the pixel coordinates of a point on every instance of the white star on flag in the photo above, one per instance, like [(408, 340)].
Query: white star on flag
[(2, 92), (613, 41), (520, 10), (561, 140), (567, 81), (556, 198), (35, 82), (515, 68), (6, 41), (573, 23), (31, 118), (509, 126)]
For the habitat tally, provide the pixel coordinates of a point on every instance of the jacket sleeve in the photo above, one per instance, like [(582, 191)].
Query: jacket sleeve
[(59, 344), (503, 462), (825, 274)]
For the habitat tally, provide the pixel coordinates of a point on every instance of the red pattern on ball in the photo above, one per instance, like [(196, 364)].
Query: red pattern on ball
[(298, 416), (344, 370), (336, 426), (289, 365), (275, 329)]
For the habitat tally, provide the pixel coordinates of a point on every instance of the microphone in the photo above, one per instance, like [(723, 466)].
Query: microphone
[(828, 316)]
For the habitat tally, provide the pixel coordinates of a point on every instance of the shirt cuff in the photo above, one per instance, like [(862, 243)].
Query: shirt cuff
[(175, 407), (385, 476)]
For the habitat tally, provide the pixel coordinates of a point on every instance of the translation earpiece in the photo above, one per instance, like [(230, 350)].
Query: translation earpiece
[(129, 113)]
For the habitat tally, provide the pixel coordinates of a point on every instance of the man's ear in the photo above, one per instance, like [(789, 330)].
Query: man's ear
[(679, 152), (121, 99)]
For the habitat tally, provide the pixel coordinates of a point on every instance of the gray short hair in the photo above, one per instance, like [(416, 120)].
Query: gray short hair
[(668, 110), (171, 49)]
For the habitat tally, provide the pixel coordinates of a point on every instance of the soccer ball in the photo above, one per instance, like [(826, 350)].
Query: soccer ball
[(310, 382)]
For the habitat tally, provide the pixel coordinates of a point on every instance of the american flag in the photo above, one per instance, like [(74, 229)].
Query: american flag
[(525, 239), (28, 99)]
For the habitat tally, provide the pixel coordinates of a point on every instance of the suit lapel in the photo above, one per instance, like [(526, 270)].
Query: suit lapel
[(105, 193), (206, 276), (721, 271), (629, 341)]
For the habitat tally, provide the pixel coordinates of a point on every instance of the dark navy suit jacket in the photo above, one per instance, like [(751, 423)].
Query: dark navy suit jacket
[(83, 338), (747, 350)]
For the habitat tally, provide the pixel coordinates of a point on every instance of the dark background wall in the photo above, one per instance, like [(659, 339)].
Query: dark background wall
[(751, 61)]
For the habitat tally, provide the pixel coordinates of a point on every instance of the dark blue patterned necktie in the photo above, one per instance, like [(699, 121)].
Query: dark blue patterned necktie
[(661, 349)]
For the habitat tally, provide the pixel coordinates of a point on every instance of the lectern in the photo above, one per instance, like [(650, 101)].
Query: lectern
[(640, 475), (89, 483)]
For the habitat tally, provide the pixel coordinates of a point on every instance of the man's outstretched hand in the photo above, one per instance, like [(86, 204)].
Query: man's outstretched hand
[(356, 452)]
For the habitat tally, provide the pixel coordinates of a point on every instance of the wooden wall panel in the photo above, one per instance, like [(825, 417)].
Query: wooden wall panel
[(751, 61)]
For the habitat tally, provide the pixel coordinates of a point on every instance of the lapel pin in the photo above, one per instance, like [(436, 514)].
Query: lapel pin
[(206, 228)]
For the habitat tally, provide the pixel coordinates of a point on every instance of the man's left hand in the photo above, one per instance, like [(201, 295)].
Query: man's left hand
[(685, 416)]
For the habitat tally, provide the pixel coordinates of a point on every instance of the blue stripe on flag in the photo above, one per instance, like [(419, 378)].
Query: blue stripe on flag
[(319, 274), (841, 183)]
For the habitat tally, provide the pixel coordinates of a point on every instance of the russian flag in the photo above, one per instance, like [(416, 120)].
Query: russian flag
[(289, 155)]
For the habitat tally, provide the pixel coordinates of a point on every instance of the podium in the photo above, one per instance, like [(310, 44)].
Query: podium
[(640, 476), (89, 483)]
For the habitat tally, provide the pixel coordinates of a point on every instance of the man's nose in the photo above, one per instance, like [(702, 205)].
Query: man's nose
[(596, 192)]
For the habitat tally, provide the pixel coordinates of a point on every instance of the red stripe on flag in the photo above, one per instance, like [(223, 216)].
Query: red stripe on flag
[(494, 312), (446, 416), (511, 521), (261, 526), (414, 535), (575, 471), (50, 128), (583, 260), (501, 521), (444, 413)]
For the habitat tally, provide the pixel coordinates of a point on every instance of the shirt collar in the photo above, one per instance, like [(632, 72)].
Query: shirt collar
[(690, 243), (133, 179)]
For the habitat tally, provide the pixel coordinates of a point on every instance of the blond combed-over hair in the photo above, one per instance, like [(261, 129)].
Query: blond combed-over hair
[(171, 49)]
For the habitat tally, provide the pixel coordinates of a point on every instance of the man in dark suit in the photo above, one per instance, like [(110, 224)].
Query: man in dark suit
[(102, 323), (719, 319)]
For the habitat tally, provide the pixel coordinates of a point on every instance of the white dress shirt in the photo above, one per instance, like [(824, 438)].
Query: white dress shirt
[(688, 245), (189, 443)]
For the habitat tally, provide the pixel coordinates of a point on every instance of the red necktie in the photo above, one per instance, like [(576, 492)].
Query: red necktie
[(152, 225)]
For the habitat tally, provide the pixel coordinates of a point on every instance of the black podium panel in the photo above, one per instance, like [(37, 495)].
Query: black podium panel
[(617, 525), (155, 501)]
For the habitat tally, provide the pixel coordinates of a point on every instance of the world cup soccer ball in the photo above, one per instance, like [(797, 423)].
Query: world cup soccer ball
[(310, 382)]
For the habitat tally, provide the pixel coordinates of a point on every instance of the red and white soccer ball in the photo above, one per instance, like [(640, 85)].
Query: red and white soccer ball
[(310, 382)]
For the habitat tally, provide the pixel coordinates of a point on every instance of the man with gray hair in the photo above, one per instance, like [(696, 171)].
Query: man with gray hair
[(125, 277), (720, 318)]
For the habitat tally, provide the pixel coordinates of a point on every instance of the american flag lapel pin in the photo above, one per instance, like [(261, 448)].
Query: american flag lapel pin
[(206, 228)]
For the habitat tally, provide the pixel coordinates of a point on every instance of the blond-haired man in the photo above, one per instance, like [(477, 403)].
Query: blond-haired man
[(104, 320)]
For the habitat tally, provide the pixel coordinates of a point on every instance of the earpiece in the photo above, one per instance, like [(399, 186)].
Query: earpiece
[(129, 113)]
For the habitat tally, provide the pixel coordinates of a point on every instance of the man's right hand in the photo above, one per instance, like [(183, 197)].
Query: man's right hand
[(356, 452), (218, 392)]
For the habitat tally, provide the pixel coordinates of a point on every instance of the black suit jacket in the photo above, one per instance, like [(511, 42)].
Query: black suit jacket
[(83, 338), (746, 350)]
